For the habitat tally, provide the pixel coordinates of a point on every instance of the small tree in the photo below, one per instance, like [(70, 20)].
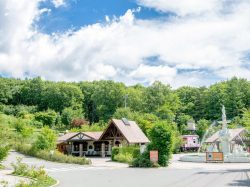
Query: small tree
[(46, 140), (162, 140), (23, 130)]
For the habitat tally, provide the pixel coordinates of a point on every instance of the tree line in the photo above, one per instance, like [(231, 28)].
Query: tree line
[(98, 101)]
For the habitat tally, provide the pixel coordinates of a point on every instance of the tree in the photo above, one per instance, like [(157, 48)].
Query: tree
[(60, 96), (246, 118), (46, 118), (162, 139), (202, 126), (160, 99), (68, 114), (23, 130), (107, 97), (46, 140)]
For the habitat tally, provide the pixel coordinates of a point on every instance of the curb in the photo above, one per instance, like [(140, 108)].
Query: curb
[(57, 183)]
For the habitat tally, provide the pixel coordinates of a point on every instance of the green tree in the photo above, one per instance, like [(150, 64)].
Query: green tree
[(202, 126), (46, 140), (61, 95), (46, 118), (162, 140), (68, 114)]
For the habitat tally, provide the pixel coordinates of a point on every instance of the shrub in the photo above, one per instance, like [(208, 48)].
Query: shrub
[(68, 114), (79, 122), (115, 151), (45, 140), (54, 156), (41, 177), (125, 154), (3, 152), (124, 157), (18, 110), (47, 118), (162, 140)]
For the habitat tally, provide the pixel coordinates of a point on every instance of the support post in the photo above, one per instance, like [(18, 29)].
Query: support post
[(81, 150), (103, 150)]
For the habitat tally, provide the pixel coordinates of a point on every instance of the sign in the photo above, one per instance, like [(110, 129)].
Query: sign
[(214, 157), (153, 156)]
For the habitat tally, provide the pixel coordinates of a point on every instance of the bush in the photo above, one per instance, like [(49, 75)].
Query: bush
[(56, 156), (39, 174), (46, 118), (124, 157), (162, 140), (68, 114), (115, 151), (125, 154), (3, 152), (46, 140), (53, 156), (18, 110), (79, 122)]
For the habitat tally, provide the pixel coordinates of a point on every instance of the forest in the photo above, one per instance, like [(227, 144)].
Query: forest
[(67, 105)]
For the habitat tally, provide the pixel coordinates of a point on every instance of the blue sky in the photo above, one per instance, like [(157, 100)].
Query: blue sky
[(79, 13), (177, 42)]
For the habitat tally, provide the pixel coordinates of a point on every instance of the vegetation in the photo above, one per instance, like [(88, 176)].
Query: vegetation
[(125, 154), (39, 177), (162, 140), (51, 155), (33, 111)]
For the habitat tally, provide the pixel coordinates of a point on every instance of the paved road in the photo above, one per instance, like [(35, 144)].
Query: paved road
[(179, 174)]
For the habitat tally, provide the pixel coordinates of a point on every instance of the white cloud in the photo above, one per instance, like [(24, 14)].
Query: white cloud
[(58, 3), (185, 7), (191, 50)]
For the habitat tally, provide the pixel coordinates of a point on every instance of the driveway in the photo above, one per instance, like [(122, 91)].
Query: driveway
[(178, 174)]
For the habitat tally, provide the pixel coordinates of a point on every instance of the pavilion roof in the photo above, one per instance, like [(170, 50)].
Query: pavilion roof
[(234, 134)]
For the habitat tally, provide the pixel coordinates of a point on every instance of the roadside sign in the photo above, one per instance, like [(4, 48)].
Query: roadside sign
[(214, 157), (153, 156)]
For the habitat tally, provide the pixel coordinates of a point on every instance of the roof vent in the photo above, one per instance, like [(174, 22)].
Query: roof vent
[(125, 121)]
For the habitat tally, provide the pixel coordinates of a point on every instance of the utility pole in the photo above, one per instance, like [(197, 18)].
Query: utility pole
[(125, 100)]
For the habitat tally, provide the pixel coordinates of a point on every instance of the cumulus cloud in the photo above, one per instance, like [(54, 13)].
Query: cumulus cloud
[(190, 50), (58, 3)]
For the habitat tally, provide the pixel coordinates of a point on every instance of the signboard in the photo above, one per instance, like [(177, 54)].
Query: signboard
[(214, 157), (153, 156)]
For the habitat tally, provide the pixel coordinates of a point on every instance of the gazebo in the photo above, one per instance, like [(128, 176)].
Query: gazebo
[(238, 137)]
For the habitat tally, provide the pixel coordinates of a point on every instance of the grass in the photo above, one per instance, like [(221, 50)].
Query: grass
[(55, 157), (2, 167), (38, 176)]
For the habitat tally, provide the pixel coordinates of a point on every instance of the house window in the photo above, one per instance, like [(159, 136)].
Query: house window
[(117, 143), (90, 147)]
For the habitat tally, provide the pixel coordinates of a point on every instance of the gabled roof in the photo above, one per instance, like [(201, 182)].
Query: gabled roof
[(77, 136), (234, 133), (132, 132)]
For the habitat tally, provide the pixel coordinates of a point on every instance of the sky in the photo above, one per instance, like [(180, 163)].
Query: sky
[(178, 42)]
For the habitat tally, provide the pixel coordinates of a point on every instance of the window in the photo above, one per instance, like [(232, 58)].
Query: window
[(90, 147)]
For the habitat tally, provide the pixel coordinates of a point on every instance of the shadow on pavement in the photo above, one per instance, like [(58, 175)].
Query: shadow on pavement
[(245, 182)]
